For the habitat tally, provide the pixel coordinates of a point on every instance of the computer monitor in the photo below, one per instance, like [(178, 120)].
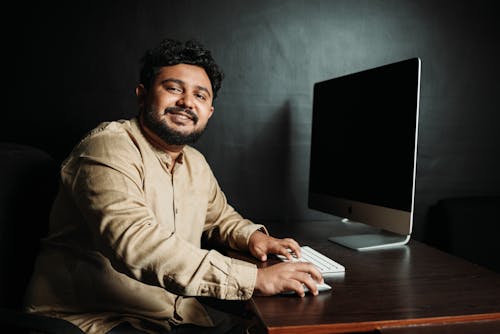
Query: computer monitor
[(363, 152)]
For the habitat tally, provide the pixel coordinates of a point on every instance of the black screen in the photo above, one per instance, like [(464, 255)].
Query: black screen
[(363, 135)]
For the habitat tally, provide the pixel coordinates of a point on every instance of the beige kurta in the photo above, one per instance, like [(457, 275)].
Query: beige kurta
[(124, 240)]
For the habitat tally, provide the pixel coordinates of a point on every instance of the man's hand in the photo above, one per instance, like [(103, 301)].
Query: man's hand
[(286, 277), (260, 244)]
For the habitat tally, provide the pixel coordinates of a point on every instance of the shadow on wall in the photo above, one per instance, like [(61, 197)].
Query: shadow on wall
[(467, 227), (260, 184)]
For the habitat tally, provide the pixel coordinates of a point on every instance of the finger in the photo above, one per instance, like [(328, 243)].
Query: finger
[(260, 254), (310, 270), (295, 286), (306, 281), (294, 247), (311, 284), (291, 241), (286, 252)]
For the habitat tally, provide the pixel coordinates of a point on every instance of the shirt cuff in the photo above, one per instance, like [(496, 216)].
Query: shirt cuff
[(241, 280)]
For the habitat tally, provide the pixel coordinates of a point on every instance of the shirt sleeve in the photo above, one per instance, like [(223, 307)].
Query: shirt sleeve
[(104, 178)]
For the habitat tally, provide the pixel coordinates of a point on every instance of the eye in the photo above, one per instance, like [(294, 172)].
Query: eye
[(173, 89), (201, 96)]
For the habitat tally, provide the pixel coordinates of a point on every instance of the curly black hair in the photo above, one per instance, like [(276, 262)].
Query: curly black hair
[(172, 52)]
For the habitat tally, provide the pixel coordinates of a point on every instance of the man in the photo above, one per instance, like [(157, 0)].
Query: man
[(135, 201)]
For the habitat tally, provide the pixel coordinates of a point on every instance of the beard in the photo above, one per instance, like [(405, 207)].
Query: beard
[(168, 134)]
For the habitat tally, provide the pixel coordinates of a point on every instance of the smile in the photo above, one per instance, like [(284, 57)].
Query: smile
[(181, 114)]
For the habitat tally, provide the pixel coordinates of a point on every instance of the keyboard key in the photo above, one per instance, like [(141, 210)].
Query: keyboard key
[(325, 265)]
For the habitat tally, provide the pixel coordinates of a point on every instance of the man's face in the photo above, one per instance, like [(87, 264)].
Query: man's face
[(178, 104)]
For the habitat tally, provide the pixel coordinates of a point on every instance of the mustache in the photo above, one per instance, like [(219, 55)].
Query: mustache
[(187, 111)]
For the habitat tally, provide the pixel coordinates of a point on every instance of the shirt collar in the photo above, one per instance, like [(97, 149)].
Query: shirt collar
[(163, 156)]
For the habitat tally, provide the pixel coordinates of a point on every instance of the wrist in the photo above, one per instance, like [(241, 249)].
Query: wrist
[(258, 289), (257, 234)]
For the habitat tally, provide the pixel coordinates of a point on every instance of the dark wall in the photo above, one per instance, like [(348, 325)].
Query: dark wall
[(76, 64)]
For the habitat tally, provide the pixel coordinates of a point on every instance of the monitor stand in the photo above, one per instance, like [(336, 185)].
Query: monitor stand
[(371, 239)]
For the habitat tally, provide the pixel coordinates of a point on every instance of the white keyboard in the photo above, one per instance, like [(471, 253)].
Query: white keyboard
[(325, 265)]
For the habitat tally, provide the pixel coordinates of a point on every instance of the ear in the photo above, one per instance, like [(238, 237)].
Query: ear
[(212, 109), (140, 92)]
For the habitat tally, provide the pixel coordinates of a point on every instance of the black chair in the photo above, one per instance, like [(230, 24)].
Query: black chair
[(467, 227), (28, 184)]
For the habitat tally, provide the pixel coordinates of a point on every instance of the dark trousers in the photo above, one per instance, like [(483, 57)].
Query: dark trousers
[(229, 317)]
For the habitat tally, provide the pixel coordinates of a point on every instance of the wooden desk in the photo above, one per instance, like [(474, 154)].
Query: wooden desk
[(393, 288)]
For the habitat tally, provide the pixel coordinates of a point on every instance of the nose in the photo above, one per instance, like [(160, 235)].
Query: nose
[(186, 101)]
